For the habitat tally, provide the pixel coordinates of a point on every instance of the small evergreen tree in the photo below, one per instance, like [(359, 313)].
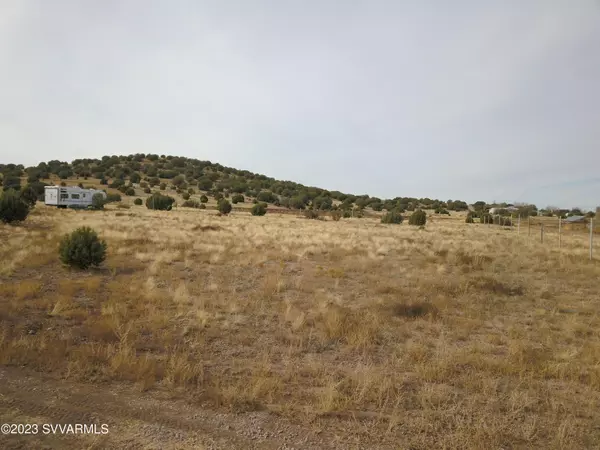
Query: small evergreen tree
[(392, 216), (160, 202), (419, 217), (203, 198), (98, 201), (12, 207), (260, 209), (224, 206), (82, 248), (29, 196)]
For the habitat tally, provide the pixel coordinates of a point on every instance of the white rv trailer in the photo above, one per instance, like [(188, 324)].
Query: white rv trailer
[(70, 196)]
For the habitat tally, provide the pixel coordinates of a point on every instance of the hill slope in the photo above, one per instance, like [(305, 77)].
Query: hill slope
[(141, 170)]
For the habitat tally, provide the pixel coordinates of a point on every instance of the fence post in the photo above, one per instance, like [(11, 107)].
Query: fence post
[(591, 238), (542, 233), (519, 225), (559, 232)]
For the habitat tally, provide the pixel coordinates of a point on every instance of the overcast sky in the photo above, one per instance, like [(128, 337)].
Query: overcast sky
[(471, 100)]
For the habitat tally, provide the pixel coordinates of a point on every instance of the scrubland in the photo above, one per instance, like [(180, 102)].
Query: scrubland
[(452, 336)]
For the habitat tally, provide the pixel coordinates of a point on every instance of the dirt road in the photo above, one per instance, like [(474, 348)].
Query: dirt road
[(137, 420)]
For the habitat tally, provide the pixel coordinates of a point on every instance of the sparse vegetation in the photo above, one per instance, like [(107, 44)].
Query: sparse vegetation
[(458, 337), (336, 215), (82, 249), (138, 202), (311, 214)]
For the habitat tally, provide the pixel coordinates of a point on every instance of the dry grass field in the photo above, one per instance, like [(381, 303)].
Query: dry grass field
[(361, 334)]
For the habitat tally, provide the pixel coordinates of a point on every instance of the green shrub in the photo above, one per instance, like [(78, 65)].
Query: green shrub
[(203, 198), (237, 198), (82, 248), (11, 182), (224, 206), (111, 198), (347, 214), (260, 209), (163, 186), (469, 218), (419, 217), (160, 202), (337, 214), (12, 207), (202, 206), (185, 196), (130, 191), (191, 204), (29, 196), (218, 196), (191, 191), (98, 201), (442, 211), (138, 201), (392, 216), (147, 190)]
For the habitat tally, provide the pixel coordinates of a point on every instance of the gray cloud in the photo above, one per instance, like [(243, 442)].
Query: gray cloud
[(471, 101)]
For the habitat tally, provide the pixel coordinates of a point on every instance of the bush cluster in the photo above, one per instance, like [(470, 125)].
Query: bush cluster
[(311, 214), (392, 217)]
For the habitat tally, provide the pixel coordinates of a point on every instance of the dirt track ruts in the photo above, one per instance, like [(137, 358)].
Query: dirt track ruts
[(136, 420)]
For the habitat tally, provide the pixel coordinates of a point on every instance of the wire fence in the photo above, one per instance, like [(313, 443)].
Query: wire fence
[(555, 231)]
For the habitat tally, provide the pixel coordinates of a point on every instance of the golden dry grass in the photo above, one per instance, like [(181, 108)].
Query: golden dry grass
[(455, 336)]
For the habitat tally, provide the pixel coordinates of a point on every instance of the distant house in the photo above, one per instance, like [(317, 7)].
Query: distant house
[(508, 209), (575, 223)]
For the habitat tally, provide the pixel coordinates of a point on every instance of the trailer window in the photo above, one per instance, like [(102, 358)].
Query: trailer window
[(64, 196), (83, 195), (75, 196)]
